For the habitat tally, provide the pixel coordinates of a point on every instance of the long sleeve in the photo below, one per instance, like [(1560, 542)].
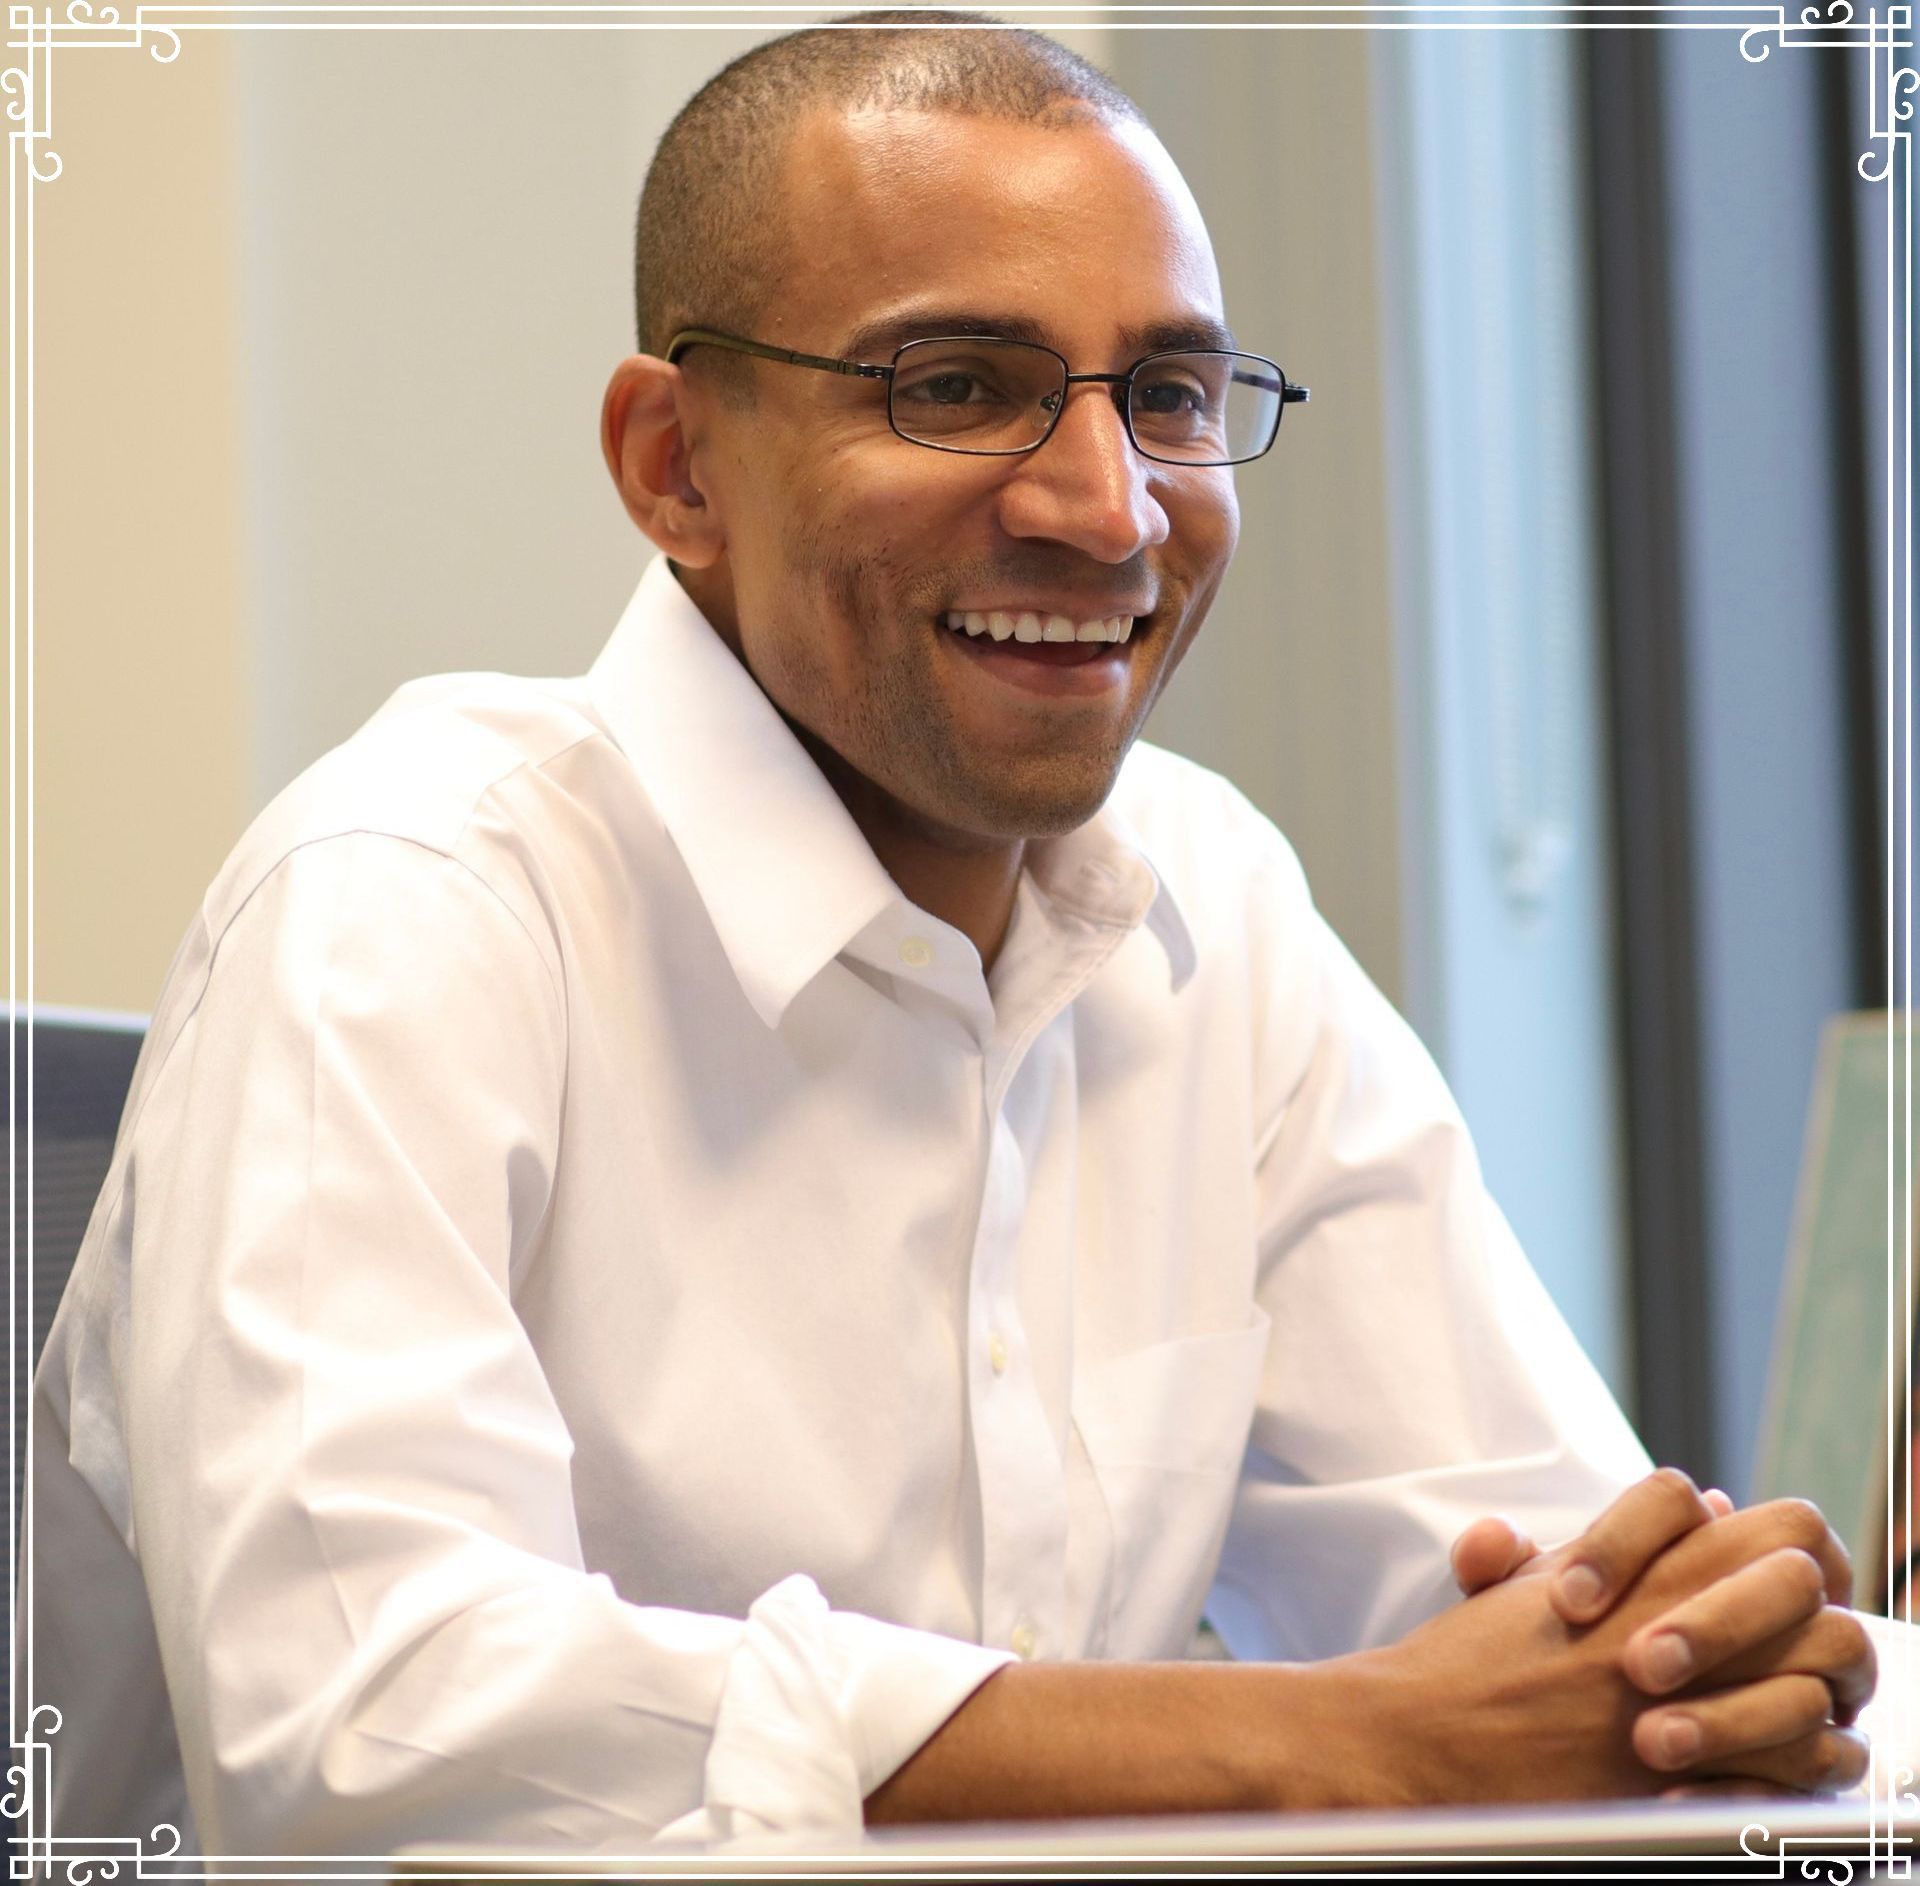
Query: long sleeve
[(1418, 1375), (345, 1477)]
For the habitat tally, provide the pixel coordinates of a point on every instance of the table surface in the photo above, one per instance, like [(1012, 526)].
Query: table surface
[(1775, 1835), (1770, 1838)]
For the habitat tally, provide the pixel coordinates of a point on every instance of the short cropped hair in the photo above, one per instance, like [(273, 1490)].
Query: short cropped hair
[(709, 244)]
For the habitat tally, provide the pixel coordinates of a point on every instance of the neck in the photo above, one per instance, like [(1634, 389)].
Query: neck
[(965, 881)]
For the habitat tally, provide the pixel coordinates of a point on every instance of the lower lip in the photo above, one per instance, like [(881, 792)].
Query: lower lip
[(1051, 668)]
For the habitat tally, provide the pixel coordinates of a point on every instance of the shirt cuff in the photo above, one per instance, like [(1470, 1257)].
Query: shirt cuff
[(819, 1708), (898, 1686)]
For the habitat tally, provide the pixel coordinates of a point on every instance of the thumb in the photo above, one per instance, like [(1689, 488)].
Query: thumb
[(1490, 1550)]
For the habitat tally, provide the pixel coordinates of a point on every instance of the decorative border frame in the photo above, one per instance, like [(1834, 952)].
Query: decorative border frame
[(36, 32)]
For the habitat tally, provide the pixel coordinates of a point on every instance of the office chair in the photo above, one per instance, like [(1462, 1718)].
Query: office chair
[(81, 1067)]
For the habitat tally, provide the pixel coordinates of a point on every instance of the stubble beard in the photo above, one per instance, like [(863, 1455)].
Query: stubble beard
[(900, 733)]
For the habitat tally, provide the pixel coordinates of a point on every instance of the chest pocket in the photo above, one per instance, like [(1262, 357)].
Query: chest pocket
[(1165, 1428)]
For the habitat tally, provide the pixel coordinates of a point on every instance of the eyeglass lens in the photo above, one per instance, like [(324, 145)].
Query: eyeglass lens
[(1203, 408)]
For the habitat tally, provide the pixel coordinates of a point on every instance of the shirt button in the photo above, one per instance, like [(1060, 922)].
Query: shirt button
[(1023, 1641), (916, 952), (997, 1353)]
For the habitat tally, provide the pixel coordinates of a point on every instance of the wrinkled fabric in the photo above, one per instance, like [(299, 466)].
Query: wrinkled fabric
[(605, 1323), (780, 1761)]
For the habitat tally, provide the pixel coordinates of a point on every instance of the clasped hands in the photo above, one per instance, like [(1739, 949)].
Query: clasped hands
[(1675, 1646), (1743, 1669)]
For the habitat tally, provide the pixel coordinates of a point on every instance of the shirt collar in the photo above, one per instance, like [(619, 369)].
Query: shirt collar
[(1102, 872), (786, 876)]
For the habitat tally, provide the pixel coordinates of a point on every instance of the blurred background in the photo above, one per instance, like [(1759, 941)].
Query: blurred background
[(1557, 642)]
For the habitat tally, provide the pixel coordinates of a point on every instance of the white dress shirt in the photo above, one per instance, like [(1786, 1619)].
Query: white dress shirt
[(604, 1320)]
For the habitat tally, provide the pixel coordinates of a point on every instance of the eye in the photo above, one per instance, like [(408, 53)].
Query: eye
[(964, 380), (946, 389), (981, 392), (1167, 396), (1179, 404), (970, 377)]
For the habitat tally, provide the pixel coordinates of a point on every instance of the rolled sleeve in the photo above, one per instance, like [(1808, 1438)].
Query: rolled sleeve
[(820, 1708)]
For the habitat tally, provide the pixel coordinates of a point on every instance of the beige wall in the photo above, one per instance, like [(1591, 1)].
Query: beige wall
[(319, 414), (139, 719)]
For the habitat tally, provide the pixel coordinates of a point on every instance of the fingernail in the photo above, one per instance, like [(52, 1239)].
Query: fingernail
[(1580, 1586), (1679, 1740), (1667, 1658)]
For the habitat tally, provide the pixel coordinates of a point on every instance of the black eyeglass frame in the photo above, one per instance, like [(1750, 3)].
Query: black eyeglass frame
[(1121, 383)]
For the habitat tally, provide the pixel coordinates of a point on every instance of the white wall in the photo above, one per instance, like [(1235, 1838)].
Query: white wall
[(435, 234)]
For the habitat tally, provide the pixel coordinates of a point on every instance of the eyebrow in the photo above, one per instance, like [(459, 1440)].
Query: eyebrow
[(885, 334)]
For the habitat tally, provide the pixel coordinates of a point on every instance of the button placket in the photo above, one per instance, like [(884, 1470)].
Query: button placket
[(1022, 1494), (1022, 1478)]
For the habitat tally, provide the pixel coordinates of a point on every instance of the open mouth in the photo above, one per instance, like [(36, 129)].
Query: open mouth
[(1032, 640), (1029, 629)]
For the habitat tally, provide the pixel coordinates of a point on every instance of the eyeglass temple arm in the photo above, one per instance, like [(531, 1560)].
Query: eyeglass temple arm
[(1290, 395), (706, 337)]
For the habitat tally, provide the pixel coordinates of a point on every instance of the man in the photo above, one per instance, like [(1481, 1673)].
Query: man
[(748, 1240)]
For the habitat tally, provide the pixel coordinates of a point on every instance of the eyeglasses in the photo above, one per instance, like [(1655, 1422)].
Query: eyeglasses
[(980, 394)]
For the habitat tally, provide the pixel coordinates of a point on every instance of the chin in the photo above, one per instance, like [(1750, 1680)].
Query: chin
[(1009, 807)]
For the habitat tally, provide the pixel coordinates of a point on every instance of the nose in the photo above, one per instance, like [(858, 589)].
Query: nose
[(1086, 486)]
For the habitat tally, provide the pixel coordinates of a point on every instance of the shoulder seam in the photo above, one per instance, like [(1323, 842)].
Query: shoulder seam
[(215, 941), (130, 1126)]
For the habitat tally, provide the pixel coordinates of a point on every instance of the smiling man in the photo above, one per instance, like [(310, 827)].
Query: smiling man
[(748, 1240), (966, 638)]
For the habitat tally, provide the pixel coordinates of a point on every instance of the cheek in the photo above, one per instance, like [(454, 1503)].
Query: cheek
[(1214, 528), (1205, 524), (827, 632), (1211, 514)]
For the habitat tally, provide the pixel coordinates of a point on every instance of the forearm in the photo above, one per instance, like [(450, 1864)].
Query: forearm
[(1038, 1741)]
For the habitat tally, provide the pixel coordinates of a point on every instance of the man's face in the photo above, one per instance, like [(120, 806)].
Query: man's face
[(848, 549)]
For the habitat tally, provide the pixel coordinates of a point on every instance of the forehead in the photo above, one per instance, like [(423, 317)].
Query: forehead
[(1086, 231)]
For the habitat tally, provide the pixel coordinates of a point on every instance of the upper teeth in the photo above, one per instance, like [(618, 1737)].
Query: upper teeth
[(1029, 626)]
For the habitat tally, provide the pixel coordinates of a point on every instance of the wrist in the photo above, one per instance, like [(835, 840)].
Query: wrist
[(1342, 1736), (1038, 1740)]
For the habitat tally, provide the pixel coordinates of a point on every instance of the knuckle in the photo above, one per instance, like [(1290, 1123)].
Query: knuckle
[(1843, 1563), (1794, 1706), (1809, 1760), (1802, 1569), (1847, 1634), (1852, 1758), (1837, 1758), (1845, 1646), (1675, 1486), (1802, 1522)]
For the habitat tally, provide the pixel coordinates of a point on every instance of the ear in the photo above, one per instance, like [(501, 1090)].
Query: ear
[(644, 436)]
